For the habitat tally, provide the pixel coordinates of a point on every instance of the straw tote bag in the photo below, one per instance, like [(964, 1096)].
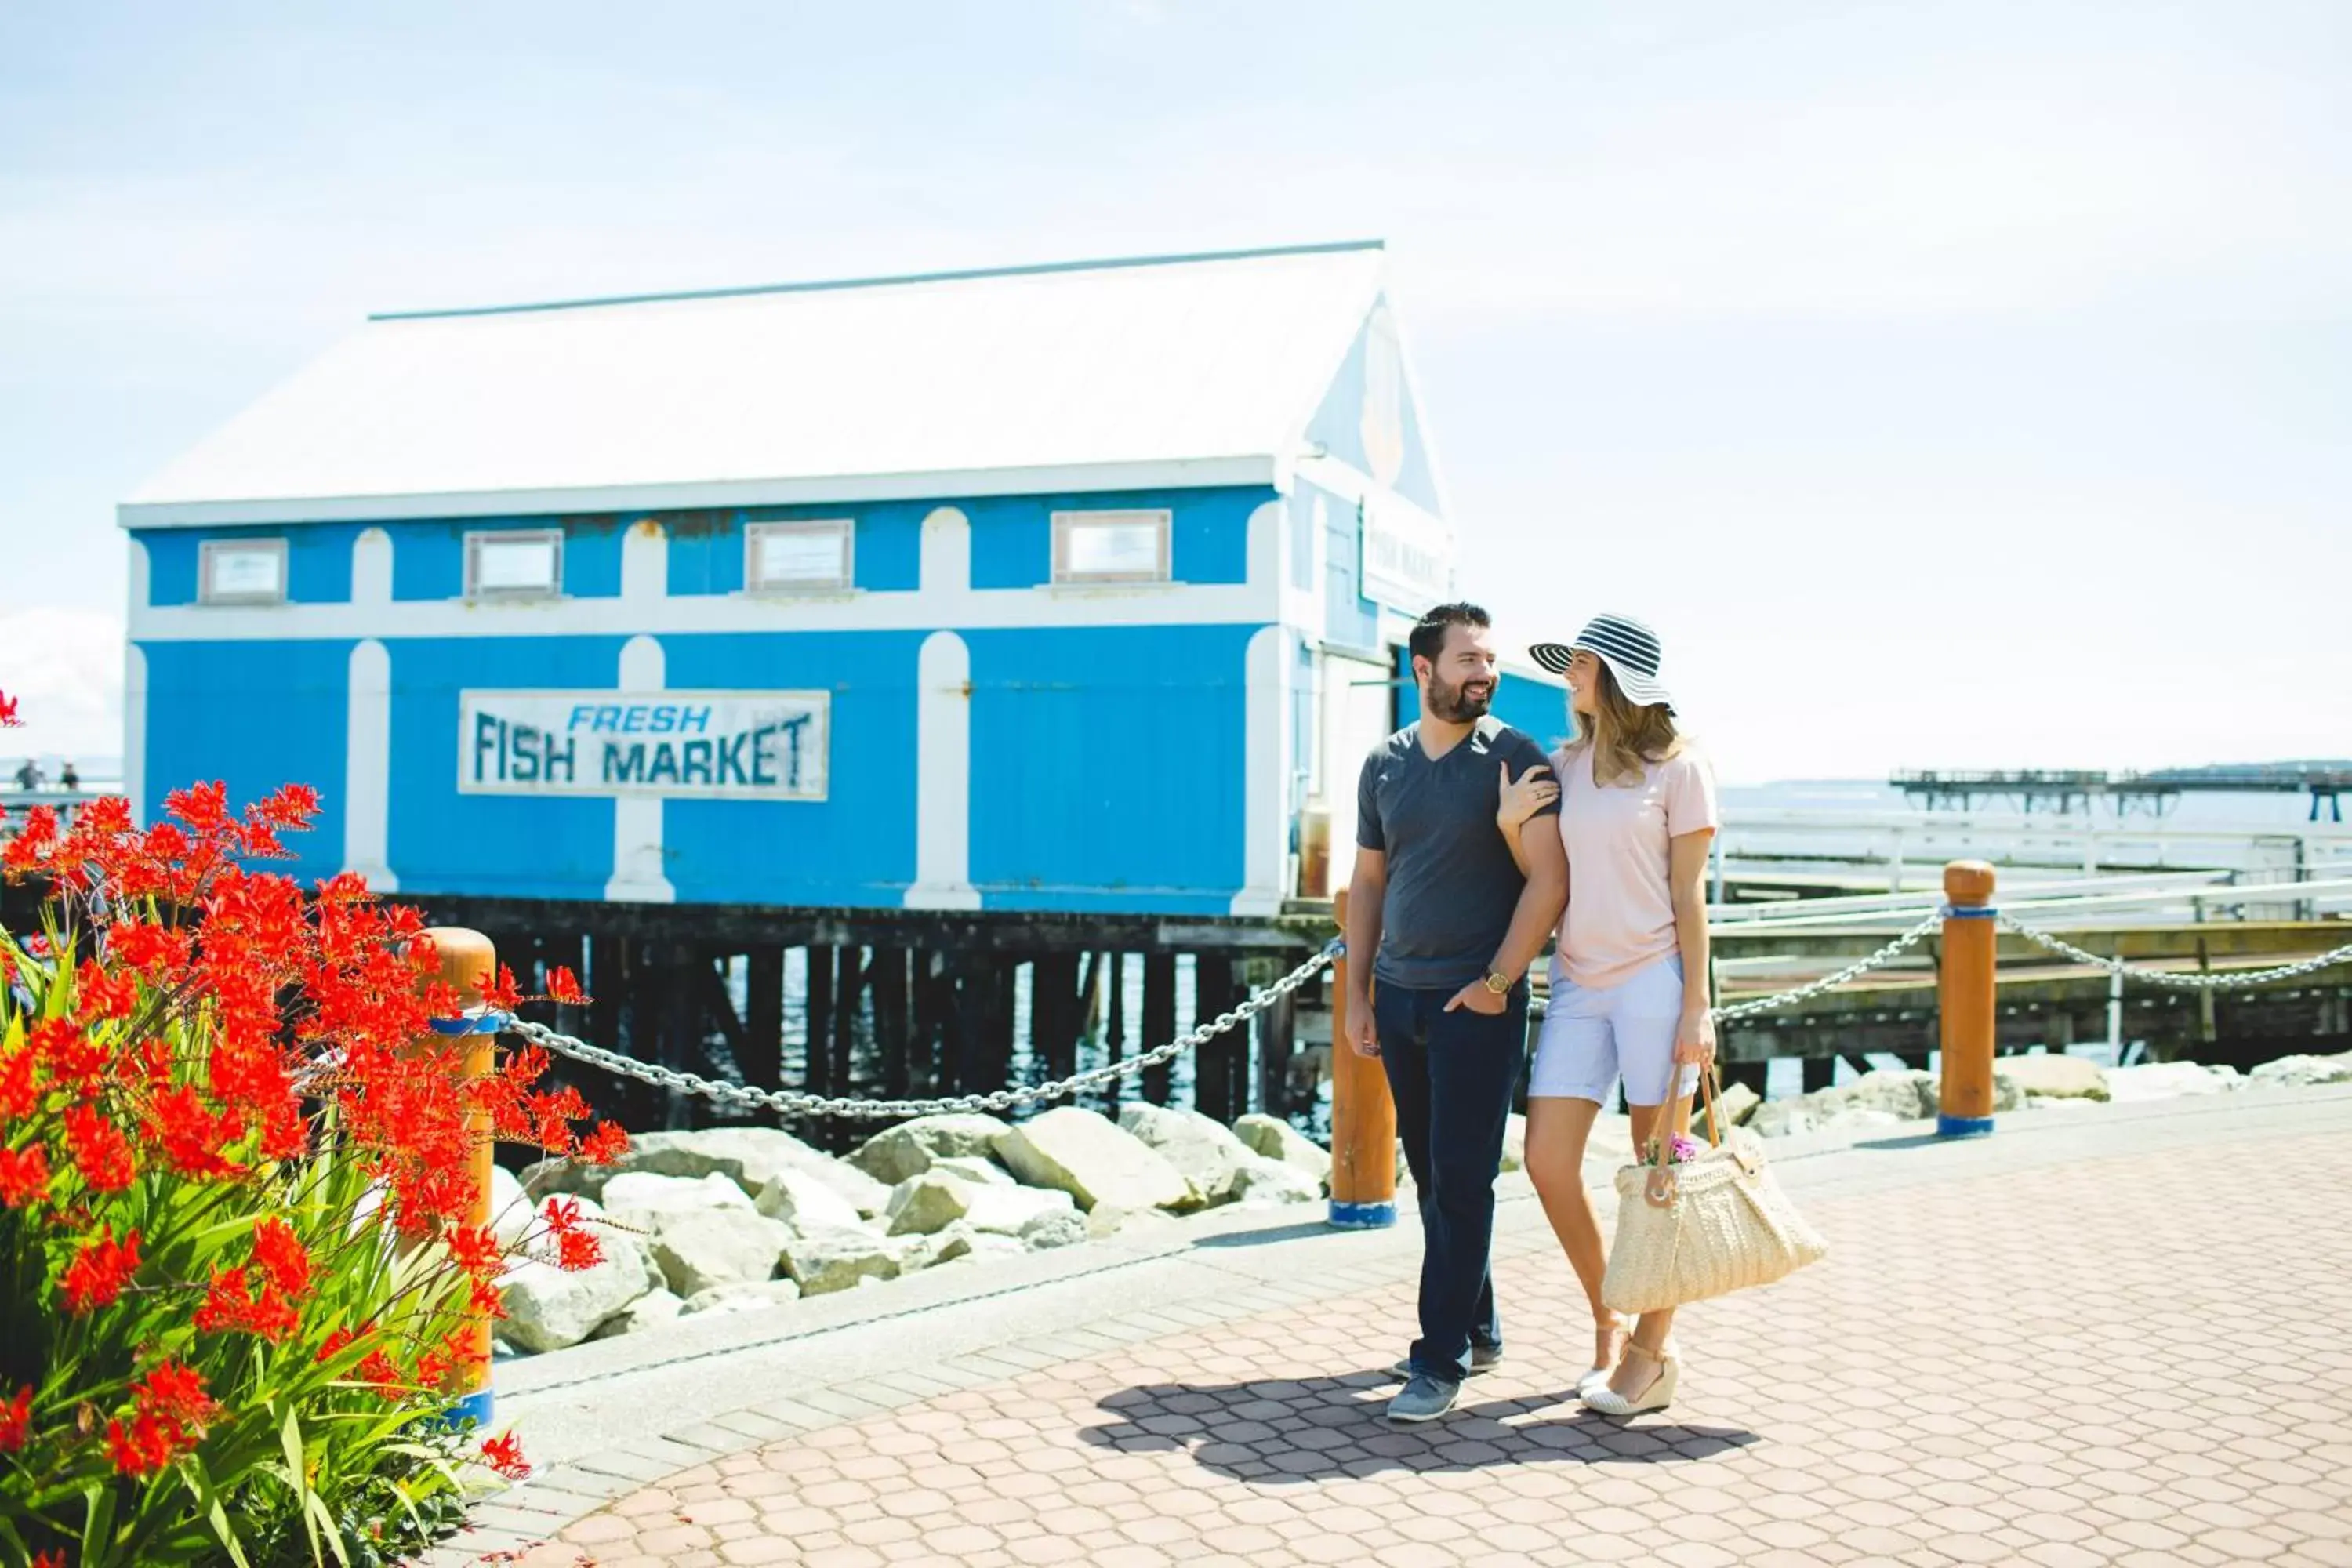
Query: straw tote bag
[(1714, 1224)]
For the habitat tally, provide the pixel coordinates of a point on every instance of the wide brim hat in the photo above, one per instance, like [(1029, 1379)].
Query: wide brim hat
[(1627, 646)]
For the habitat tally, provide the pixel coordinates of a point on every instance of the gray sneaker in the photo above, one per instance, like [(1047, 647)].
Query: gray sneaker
[(1425, 1398), (1483, 1358)]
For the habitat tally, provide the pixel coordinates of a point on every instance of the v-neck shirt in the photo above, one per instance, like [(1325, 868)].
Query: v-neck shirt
[(1452, 886)]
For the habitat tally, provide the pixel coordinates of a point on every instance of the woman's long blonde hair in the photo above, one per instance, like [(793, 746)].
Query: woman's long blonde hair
[(1625, 737)]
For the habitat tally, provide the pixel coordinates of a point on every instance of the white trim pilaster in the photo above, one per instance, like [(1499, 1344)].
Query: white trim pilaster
[(943, 776), (639, 873), (367, 764)]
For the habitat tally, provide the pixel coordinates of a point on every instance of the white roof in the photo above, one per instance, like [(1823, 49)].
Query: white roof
[(1181, 370)]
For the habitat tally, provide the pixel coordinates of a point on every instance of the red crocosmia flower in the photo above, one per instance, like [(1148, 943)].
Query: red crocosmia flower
[(562, 986), (99, 1270), (100, 1153), (231, 1305), (8, 719), (15, 1420), (17, 1095), (174, 1393), (576, 1250), (280, 1256), (606, 1144), (476, 1251), (101, 993), (504, 1454), (380, 1369), (336, 1344), (73, 1058), (24, 1176), (498, 992), (193, 1137), (145, 1447)]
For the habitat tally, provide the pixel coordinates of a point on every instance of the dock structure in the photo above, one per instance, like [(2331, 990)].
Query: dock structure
[(829, 673), (2069, 790)]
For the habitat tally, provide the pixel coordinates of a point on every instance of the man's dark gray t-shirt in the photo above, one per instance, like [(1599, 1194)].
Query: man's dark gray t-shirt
[(1452, 883)]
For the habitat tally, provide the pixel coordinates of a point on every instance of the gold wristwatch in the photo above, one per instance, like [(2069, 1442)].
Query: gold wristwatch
[(1498, 983)]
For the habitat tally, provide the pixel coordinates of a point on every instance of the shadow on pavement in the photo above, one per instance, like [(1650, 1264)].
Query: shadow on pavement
[(1323, 1428), (1299, 1232)]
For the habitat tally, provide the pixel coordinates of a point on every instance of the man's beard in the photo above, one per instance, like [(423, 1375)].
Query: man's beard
[(1458, 704)]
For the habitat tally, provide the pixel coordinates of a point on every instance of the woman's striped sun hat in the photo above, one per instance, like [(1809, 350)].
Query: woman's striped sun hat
[(1627, 647)]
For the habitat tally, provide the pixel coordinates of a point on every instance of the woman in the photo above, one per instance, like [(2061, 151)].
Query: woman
[(1629, 976)]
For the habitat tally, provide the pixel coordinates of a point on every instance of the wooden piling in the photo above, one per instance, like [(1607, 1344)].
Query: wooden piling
[(1363, 1117), (1965, 1002), (762, 1058), (1213, 1066), (468, 961), (1159, 1022), (817, 1060)]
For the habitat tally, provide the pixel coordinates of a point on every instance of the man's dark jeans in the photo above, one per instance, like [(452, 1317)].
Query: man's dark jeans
[(1452, 1075)]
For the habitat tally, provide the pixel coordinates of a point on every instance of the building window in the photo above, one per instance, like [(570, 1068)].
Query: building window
[(520, 563), (243, 572), (785, 557), (1110, 547)]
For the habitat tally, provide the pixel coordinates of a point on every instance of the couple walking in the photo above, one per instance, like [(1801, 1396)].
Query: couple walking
[(1472, 847)]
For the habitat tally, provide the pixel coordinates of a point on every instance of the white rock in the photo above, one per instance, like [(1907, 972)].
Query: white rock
[(1076, 1152), (1515, 1143), (641, 1193), (655, 1307), (2008, 1094), (511, 1210), (1272, 1138), (700, 1248), (1740, 1103), (1051, 1230), (1263, 1181), (1904, 1094), (1781, 1119), (2057, 1076), (1003, 1211), (1202, 1149), (979, 1170), (2169, 1081), (549, 1309), (1862, 1118), (823, 1262), (957, 1240), (2303, 1072), (751, 1157), (754, 1297), (928, 1202), (801, 1200), (908, 1150)]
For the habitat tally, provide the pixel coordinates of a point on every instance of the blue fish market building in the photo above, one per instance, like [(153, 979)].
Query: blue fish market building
[(1037, 611)]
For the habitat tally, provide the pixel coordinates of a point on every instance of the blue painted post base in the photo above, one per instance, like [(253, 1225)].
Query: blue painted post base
[(1362, 1216), (1964, 1127), (475, 1407)]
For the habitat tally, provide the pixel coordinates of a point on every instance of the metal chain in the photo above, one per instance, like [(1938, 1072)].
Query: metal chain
[(1885, 955), (786, 1102), (2240, 979)]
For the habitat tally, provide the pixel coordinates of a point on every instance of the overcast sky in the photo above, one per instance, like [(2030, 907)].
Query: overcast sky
[(1950, 382)]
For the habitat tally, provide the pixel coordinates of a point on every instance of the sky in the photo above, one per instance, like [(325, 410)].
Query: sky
[(1950, 383)]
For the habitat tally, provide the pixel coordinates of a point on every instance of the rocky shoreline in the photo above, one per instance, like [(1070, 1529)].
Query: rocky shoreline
[(752, 1219)]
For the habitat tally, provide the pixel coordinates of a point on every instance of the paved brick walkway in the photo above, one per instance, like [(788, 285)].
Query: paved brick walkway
[(2136, 1359)]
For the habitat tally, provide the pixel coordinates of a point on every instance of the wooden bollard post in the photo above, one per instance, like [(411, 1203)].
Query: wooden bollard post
[(1363, 1117), (469, 962), (1964, 1001)]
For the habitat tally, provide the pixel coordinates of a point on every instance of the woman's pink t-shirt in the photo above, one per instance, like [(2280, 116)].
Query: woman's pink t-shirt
[(1621, 908)]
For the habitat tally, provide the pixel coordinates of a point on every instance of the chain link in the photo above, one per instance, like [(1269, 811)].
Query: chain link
[(1854, 971), (2240, 980), (787, 1103)]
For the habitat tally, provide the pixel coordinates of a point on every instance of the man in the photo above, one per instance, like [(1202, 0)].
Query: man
[(1438, 897)]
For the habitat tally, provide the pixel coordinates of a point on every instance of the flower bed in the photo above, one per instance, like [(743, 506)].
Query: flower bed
[(238, 1264)]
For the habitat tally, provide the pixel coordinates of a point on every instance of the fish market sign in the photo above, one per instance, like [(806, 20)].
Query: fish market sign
[(1406, 558), (682, 745)]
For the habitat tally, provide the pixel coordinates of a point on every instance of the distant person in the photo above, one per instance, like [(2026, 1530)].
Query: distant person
[(1635, 808), (1442, 915), (28, 776), (68, 778)]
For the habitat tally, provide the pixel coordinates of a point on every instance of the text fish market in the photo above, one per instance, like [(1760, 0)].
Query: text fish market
[(713, 746)]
